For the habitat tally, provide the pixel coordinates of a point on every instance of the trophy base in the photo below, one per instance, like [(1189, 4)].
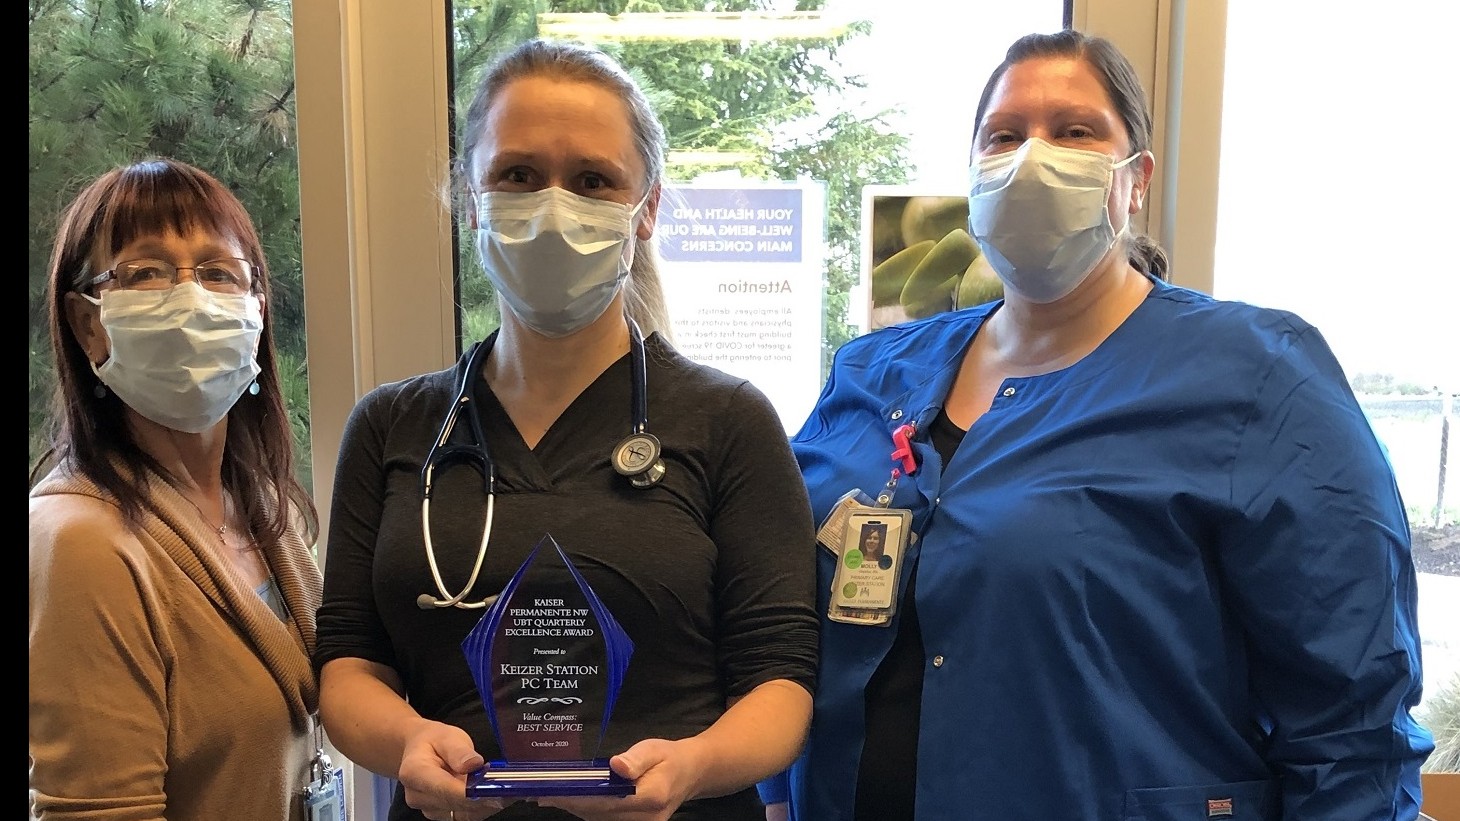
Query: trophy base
[(541, 779)]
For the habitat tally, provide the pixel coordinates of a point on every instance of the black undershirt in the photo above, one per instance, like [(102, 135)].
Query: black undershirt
[(887, 774)]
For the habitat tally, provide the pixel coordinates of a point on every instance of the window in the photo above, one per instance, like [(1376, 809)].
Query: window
[(859, 93), (1333, 206), (202, 82)]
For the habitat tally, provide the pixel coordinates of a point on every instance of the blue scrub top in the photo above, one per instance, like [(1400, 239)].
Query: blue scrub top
[(1170, 580)]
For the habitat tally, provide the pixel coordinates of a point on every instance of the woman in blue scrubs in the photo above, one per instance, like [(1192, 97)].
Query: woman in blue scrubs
[(1158, 565)]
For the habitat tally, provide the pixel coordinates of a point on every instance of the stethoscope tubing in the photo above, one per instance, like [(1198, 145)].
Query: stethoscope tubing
[(442, 454)]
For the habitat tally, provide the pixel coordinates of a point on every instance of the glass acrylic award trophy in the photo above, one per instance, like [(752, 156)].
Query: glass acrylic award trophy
[(548, 660)]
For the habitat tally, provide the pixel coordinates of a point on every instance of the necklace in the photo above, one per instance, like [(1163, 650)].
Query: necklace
[(221, 530)]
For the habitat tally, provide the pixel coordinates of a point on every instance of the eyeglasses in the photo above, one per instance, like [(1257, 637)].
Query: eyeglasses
[(221, 276)]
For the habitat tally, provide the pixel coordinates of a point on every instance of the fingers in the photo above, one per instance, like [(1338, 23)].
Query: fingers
[(433, 771), (628, 765), (658, 787), (458, 754), (640, 758)]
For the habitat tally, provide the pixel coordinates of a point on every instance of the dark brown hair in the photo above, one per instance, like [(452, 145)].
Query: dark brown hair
[(1123, 87), (89, 433)]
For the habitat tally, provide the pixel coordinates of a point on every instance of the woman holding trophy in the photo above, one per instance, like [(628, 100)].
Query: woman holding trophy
[(574, 437)]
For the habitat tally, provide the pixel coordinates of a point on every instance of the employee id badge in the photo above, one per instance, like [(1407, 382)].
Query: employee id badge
[(324, 797), (864, 586)]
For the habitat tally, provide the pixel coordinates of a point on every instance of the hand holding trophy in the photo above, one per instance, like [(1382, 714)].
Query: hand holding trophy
[(549, 660), (698, 538)]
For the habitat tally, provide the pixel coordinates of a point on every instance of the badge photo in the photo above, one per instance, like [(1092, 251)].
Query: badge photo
[(870, 558)]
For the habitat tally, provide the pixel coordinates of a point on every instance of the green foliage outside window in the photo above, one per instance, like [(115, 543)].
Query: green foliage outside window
[(209, 82), (757, 99)]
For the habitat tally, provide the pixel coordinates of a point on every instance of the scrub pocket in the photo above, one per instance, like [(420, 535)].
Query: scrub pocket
[(1233, 801)]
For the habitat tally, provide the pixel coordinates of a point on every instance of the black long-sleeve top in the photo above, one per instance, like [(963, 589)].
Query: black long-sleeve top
[(710, 572)]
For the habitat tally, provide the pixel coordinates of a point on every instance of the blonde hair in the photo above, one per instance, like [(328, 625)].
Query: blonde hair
[(643, 291)]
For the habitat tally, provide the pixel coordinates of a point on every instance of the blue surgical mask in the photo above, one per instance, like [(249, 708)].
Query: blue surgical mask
[(1040, 216), (183, 356), (556, 259)]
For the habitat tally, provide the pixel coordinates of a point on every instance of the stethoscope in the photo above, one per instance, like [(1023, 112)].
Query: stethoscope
[(636, 457)]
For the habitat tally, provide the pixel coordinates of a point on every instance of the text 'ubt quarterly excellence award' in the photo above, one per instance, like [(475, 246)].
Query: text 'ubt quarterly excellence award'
[(549, 660)]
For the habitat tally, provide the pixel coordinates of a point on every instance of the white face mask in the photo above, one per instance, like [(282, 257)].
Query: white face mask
[(180, 357), (555, 258), (1040, 215)]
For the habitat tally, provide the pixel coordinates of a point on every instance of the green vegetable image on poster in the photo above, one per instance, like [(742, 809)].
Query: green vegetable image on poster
[(978, 284), (889, 278), (921, 258), (933, 217), (933, 283)]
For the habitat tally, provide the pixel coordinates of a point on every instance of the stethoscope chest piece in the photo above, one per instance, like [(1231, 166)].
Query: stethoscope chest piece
[(637, 457)]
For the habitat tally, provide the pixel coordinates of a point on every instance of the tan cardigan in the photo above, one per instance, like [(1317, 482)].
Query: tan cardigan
[(161, 685)]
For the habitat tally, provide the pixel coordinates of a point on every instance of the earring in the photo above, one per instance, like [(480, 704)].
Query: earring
[(253, 389), (99, 390)]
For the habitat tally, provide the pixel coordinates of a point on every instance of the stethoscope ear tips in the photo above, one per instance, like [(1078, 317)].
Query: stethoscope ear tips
[(637, 457)]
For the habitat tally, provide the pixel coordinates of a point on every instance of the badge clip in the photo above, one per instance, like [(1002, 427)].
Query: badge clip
[(902, 448)]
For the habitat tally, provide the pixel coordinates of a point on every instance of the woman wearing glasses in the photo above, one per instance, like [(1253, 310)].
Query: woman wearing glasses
[(172, 591)]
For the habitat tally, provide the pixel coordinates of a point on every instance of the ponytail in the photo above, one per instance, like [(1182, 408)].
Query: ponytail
[(1148, 257)]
